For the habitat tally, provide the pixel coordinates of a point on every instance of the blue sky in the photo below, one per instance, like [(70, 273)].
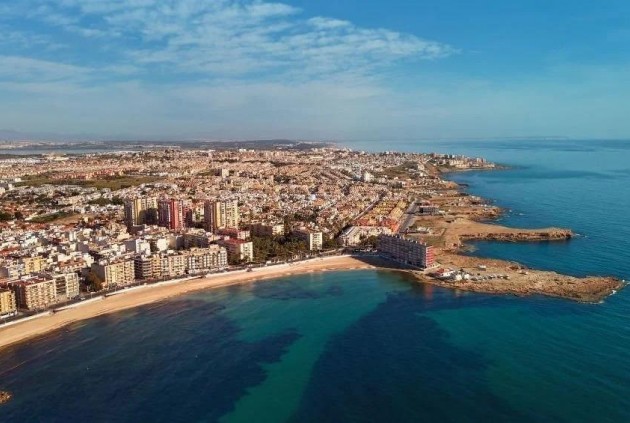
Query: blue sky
[(353, 69)]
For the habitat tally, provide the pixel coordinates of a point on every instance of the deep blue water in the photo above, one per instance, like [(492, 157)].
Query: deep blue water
[(368, 346)]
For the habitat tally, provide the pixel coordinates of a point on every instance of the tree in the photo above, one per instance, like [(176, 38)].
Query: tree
[(330, 242), (19, 215), (93, 282), (4, 216)]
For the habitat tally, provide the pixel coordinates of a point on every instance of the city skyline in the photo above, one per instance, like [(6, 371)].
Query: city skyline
[(291, 69)]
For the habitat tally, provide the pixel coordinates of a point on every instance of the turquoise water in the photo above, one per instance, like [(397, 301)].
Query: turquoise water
[(367, 346)]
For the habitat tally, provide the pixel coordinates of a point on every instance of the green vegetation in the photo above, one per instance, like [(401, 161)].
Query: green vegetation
[(117, 201), (5, 216), (93, 282), (114, 183), (329, 243), (369, 241), (401, 171), (277, 248), (47, 218)]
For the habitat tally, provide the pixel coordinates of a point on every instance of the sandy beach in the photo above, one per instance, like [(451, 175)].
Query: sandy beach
[(532, 282), (27, 329)]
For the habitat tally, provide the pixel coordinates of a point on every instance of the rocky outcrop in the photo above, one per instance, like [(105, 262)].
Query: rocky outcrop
[(515, 236), (591, 290), (495, 276)]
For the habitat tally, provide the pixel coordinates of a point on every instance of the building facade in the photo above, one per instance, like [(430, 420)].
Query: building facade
[(8, 305), (221, 215), (314, 240), (67, 286), (171, 214), (238, 250), (267, 229), (35, 294), (194, 261), (117, 272), (407, 251), (140, 211)]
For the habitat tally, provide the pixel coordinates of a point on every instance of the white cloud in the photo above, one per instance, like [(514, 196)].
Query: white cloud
[(231, 37), (27, 69), (225, 68)]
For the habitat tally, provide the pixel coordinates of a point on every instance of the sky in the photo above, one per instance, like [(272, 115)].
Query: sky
[(318, 70)]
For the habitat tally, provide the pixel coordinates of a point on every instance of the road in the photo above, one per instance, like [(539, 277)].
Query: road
[(408, 218)]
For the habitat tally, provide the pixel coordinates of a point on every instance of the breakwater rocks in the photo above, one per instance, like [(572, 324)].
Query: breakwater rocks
[(520, 236), (5, 396)]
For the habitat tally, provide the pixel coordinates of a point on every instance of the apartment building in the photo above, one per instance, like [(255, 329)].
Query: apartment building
[(35, 293), (32, 264), (198, 239), (67, 286), (116, 272), (171, 214), (267, 229), (221, 214), (11, 270), (314, 240), (140, 211), (204, 259), (235, 233), (194, 261), (8, 305), (407, 251), (238, 250)]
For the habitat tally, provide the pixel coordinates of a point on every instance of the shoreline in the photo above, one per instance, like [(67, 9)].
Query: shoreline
[(467, 221), (23, 330), (32, 327)]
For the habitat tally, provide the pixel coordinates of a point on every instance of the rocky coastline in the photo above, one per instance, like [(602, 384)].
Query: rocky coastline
[(469, 218)]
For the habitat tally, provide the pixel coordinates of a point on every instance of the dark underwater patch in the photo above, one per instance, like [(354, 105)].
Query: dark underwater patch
[(397, 365), (179, 362)]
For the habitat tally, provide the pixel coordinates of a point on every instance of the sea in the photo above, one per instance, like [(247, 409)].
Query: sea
[(373, 346)]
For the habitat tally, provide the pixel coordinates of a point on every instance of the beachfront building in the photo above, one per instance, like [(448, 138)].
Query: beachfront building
[(116, 272), (8, 305), (147, 267), (205, 259), (406, 251), (314, 239), (221, 214), (35, 293), (66, 286), (238, 250), (176, 264)]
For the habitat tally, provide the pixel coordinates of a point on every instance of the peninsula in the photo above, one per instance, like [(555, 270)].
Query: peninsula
[(86, 234)]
